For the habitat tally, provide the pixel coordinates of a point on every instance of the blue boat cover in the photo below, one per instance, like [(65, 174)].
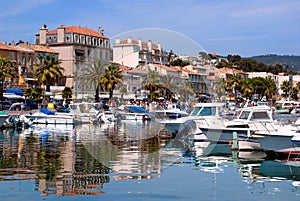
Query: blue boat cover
[(46, 111), (137, 109), (15, 91)]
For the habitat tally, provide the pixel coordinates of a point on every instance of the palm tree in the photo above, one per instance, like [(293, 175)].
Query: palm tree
[(151, 82), (168, 86), (286, 87), (67, 94), (7, 70), (48, 71), (185, 90), (270, 88), (247, 88), (235, 83), (220, 87), (93, 75), (111, 78), (294, 92)]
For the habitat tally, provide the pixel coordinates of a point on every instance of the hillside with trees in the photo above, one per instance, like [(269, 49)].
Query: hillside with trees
[(251, 65), (286, 60)]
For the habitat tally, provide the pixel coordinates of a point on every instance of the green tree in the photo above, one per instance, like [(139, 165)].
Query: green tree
[(67, 94), (286, 87), (7, 70), (186, 90), (247, 88), (270, 88), (294, 92), (151, 82), (93, 75), (34, 94), (48, 70), (111, 78), (220, 88)]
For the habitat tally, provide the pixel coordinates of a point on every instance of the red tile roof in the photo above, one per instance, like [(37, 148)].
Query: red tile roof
[(165, 67), (42, 48), (6, 47), (79, 30)]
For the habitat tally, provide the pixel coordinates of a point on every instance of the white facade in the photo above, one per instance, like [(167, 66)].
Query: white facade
[(133, 53)]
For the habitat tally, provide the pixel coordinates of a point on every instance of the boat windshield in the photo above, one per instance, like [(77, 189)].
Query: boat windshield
[(204, 111), (244, 115), (195, 111), (208, 111), (260, 115)]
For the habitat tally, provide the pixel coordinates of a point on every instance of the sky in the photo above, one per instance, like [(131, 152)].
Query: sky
[(244, 27)]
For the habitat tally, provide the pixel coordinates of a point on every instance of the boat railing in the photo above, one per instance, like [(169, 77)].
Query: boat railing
[(261, 125)]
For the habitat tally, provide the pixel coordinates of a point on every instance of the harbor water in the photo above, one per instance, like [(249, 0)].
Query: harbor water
[(133, 160)]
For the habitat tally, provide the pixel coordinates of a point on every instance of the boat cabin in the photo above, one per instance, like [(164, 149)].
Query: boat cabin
[(257, 113), (207, 109)]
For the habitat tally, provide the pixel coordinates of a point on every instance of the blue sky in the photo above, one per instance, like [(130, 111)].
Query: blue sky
[(245, 27)]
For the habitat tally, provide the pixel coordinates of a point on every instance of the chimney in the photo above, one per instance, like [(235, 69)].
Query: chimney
[(61, 34), (149, 45), (140, 43), (159, 46), (43, 34), (129, 40), (100, 31)]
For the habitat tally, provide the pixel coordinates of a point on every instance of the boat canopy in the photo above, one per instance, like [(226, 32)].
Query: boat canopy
[(15, 91), (137, 109)]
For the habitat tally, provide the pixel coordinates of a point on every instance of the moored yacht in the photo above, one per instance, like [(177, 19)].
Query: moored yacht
[(200, 111), (250, 119)]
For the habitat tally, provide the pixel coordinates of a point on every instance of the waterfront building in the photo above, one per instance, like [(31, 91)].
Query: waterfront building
[(78, 48), (198, 77), (27, 57), (132, 78), (134, 53)]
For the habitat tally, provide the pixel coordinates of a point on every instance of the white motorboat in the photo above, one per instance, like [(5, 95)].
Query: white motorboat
[(284, 140), (200, 110), (84, 112), (106, 116), (132, 112), (171, 112), (45, 116), (250, 119)]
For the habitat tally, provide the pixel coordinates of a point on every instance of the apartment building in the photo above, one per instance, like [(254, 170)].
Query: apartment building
[(78, 48), (133, 53), (27, 57)]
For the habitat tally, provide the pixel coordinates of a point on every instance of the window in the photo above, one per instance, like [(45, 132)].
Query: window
[(68, 39), (30, 60), (95, 42), (76, 38), (82, 39), (24, 60), (89, 40), (11, 55)]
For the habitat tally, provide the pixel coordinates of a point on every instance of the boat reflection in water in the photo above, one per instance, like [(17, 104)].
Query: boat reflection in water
[(52, 159), (89, 158), (133, 150), (256, 167)]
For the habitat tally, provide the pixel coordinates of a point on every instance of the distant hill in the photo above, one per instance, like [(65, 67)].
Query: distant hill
[(271, 59)]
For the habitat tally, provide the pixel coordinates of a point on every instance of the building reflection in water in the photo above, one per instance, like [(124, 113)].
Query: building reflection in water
[(79, 161)]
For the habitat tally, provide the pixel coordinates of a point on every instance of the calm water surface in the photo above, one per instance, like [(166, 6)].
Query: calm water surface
[(135, 161)]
